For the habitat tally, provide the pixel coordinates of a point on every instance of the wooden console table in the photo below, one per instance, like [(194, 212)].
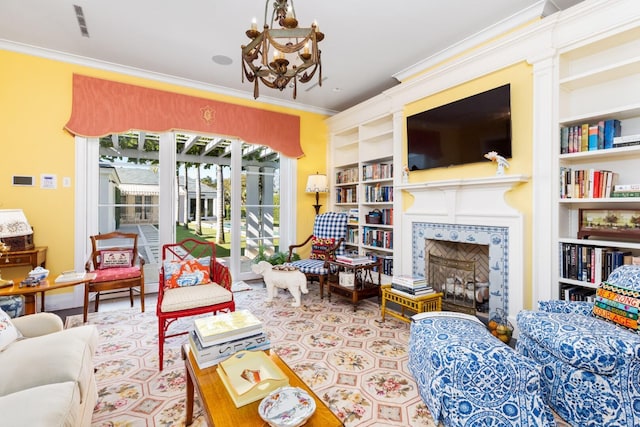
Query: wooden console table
[(34, 257), (364, 283), (30, 292)]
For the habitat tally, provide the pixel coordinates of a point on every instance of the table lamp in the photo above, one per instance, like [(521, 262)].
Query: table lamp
[(317, 184)]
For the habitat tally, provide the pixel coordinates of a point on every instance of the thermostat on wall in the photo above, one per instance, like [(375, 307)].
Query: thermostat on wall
[(25, 181)]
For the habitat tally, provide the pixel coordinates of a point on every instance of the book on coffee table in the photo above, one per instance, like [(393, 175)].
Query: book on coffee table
[(249, 376), (226, 326)]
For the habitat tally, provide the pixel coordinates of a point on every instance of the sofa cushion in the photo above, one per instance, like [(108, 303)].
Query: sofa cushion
[(584, 342), (58, 357), (51, 405), (617, 304), (188, 272), (8, 332)]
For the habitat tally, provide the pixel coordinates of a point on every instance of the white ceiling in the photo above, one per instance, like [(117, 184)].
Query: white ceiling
[(366, 42)]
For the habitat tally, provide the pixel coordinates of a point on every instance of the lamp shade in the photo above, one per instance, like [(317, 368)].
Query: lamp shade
[(317, 184)]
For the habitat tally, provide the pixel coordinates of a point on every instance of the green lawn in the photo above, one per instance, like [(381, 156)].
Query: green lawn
[(209, 235)]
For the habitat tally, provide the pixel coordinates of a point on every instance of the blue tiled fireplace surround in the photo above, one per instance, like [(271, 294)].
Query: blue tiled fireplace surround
[(496, 238)]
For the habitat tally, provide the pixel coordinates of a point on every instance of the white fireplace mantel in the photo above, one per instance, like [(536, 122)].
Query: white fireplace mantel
[(454, 197)]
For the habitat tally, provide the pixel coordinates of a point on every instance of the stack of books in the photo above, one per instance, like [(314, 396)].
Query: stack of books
[(216, 338), (353, 259), (410, 286)]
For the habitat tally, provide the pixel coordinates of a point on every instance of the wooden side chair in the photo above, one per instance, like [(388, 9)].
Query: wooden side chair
[(192, 282), (327, 241), (118, 267)]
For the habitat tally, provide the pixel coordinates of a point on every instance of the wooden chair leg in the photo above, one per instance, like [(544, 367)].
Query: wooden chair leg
[(86, 302), (142, 297), (131, 296), (97, 303)]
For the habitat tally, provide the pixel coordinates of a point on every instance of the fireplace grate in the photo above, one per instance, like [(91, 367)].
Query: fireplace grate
[(456, 279)]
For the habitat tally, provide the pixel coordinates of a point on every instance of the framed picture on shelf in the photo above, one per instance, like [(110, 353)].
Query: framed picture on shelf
[(616, 223)]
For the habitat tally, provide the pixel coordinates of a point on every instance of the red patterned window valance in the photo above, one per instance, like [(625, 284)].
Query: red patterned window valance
[(102, 107)]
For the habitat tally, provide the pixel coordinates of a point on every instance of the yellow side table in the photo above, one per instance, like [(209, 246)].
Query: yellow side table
[(420, 304)]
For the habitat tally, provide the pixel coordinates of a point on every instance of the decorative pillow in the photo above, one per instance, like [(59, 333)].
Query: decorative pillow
[(618, 305), (187, 272), (8, 332), (119, 258), (320, 246)]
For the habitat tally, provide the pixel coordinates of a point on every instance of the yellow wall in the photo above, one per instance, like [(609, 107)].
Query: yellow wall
[(521, 80), (35, 104)]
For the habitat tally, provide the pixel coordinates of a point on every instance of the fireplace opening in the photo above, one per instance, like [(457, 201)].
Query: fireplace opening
[(460, 271)]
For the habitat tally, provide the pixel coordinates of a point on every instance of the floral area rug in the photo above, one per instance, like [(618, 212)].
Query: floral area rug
[(353, 361)]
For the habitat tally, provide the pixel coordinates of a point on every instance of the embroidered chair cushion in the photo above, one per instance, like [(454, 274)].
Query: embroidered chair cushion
[(116, 273), (189, 272), (115, 259), (320, 247)]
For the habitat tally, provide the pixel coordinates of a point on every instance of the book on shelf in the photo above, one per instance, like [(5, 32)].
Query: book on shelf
[(210, 356), (612, 130), (353, 216), (223, 327), (626, 194), (619, 141), (626, 187)]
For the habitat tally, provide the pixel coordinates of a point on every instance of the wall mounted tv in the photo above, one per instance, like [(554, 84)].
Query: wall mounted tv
[(461, 132)]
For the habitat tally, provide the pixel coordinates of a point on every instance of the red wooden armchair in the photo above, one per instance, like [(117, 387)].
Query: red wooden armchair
[(192, 282), (118, 267)]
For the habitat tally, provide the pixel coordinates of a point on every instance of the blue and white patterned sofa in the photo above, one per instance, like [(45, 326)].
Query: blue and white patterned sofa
[(591, 367), (469, 378)]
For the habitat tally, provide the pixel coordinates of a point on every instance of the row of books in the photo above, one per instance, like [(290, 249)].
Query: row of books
[(216, 338), (352, 235), (589, 137), (377, 171), (577, 293), (586, 183), (626, 190), (377, 238), (347, 176), (346, 195), (590, 263), (386, 262), (353, 216), (378, 193)]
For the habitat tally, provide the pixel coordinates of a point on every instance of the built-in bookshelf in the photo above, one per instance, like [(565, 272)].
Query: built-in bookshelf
[(362, 163), (599, 95)]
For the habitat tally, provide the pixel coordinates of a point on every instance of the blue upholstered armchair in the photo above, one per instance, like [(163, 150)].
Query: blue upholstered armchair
[(469, 378), (591, 367), (327, 241)]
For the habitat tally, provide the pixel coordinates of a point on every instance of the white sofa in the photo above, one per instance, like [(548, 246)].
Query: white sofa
[(47, 374)]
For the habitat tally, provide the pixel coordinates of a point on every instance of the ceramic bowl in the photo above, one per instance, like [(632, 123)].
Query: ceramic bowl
[(39, 273), (287, 407)]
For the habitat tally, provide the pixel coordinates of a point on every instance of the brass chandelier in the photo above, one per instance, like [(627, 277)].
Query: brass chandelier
[(279, 57)]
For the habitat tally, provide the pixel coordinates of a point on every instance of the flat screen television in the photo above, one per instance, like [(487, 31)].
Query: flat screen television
[(461, 132)]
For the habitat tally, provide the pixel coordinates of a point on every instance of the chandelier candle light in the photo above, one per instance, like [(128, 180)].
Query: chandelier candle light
[(277, 57), (317, 184)]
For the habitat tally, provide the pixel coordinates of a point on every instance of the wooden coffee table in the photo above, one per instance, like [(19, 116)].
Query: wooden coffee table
[(30, 292), (220, 409)]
